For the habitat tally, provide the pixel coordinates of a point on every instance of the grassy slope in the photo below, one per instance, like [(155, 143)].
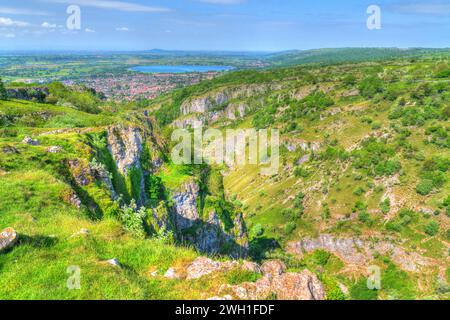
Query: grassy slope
[(337, 184), (34, 194)]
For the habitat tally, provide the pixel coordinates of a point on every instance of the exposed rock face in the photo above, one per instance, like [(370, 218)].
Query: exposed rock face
[(273, 268), (209, 235), (31, 142), (125, 145), (74, 200), (192, 121), (298, 286), (283, 286), (358, 252), (8, 239), (202, 266), (273, 283), (216, 106), (80, 172), (185, 205), (100, 173)]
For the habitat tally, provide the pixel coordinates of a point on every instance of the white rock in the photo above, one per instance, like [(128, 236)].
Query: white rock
[(8, 238), (28, 140), (54, 149), (171, 274), (114, 262)]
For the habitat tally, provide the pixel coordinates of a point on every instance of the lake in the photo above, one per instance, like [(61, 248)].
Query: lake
[(180, 69)]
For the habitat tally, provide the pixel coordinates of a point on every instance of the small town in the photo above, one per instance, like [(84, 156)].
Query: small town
[(138, 86)]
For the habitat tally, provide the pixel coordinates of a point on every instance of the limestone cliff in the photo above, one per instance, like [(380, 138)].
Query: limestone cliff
[(208, 232)]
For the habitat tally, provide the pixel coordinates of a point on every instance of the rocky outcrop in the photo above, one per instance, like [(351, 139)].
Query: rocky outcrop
[(191, 121), (30, 141), (8, 239), (100, 173), (274, 282), (204, 266), (358, 252), (185, 205), (125, 145), (81, 172), (218, 105), (208, 234)]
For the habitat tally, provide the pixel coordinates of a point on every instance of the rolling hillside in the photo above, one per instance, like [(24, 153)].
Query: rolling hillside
[(363, 181)]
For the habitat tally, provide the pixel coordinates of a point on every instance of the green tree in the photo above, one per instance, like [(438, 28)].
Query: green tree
[(3, 92), (370, 86)]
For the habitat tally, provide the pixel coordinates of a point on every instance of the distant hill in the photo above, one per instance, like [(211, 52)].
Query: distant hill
[(338, 55)]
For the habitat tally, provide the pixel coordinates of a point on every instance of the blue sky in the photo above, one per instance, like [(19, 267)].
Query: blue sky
[(233, 25)]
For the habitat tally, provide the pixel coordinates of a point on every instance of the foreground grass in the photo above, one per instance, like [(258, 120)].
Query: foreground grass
[(37, 267)]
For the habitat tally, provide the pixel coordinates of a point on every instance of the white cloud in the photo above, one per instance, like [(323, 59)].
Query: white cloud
[(123, 29), (113, 5), (17, 11), (48, 25), (89, 30), (424, 8), (7, 22), (8, 35)]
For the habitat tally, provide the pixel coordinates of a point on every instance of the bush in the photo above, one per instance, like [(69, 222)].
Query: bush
[(370, 86), (133, 219), (364, 217), (432, 228), (359, 191), (425, 187), (257, 230), (289, 228), (301, 172), (385, 206), (321, 257), (237, 276), (349, 80), (3, 93)]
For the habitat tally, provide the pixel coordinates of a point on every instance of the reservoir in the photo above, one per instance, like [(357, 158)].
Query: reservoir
[(181, 69)]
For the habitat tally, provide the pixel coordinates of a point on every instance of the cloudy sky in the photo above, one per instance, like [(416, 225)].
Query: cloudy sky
[(250, 25)]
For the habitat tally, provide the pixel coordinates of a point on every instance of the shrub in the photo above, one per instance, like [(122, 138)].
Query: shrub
[(385, 206), (257, 230), (3, 93), (359, 191), (432, 228), (133, 219), (289, 228), (364, 217), (349, 80), (301, 172), (321, 257), (238, 276), (425, 187), (370, 86)]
